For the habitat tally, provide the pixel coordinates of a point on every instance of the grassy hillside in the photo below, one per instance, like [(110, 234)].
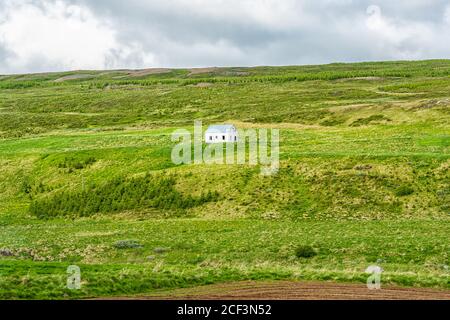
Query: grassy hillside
[(85, 166)]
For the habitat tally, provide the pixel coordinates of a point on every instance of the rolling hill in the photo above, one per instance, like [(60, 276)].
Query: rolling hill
[(87, 178)]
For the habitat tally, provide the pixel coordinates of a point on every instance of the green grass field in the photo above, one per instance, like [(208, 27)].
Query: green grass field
[(87, 178)]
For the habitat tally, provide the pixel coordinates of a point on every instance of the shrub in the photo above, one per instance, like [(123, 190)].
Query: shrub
[(305, 252), (118, 195), (6, 252), (369, 120), (73, 163), (26, 186), (160, 250), (333, 121), (127, 244), (404, 191)]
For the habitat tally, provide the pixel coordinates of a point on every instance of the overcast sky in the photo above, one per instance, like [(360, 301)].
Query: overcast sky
[(55, 35)]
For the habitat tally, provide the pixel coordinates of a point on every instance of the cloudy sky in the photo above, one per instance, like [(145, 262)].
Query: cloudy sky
[(54, 35)]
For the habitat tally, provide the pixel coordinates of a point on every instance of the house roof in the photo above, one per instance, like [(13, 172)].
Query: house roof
[(220, 128)]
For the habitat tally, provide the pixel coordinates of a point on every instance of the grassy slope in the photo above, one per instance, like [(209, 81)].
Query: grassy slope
[(350, 145)]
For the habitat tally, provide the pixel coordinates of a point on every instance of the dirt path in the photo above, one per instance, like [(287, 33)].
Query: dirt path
[(295, 290)]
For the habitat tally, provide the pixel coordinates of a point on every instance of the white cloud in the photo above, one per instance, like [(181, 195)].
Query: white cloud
[(57, 35), (390, 30), (403, 39), (447, 15), (38, 35), (268, 13)]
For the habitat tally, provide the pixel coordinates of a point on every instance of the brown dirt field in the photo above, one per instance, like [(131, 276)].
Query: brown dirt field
[(146, 72), (141, 73), (203, 85), (294, 290), (195, 71), (75, 77), (361, 78)]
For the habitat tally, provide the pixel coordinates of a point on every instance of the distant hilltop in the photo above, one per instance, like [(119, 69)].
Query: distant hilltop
[(409, 67)]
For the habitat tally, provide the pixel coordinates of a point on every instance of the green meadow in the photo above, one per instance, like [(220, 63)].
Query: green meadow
[(86, 178)]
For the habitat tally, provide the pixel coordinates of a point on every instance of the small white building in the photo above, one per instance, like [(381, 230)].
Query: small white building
[(221, 133)]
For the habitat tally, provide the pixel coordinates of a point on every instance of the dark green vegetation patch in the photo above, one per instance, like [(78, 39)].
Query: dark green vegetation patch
[(118, 195), (305, 252)]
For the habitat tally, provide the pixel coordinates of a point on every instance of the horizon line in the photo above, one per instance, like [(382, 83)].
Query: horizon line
[(229, 66)]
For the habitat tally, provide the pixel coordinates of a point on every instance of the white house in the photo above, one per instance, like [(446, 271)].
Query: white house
[(221, 133)]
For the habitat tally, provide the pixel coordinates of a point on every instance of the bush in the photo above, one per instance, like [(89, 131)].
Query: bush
[(333, 121), (118, 195), (160, 250), (404, 191), (26, 186), (127, 244), (73, 163), (369, 120), (305, 252)]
